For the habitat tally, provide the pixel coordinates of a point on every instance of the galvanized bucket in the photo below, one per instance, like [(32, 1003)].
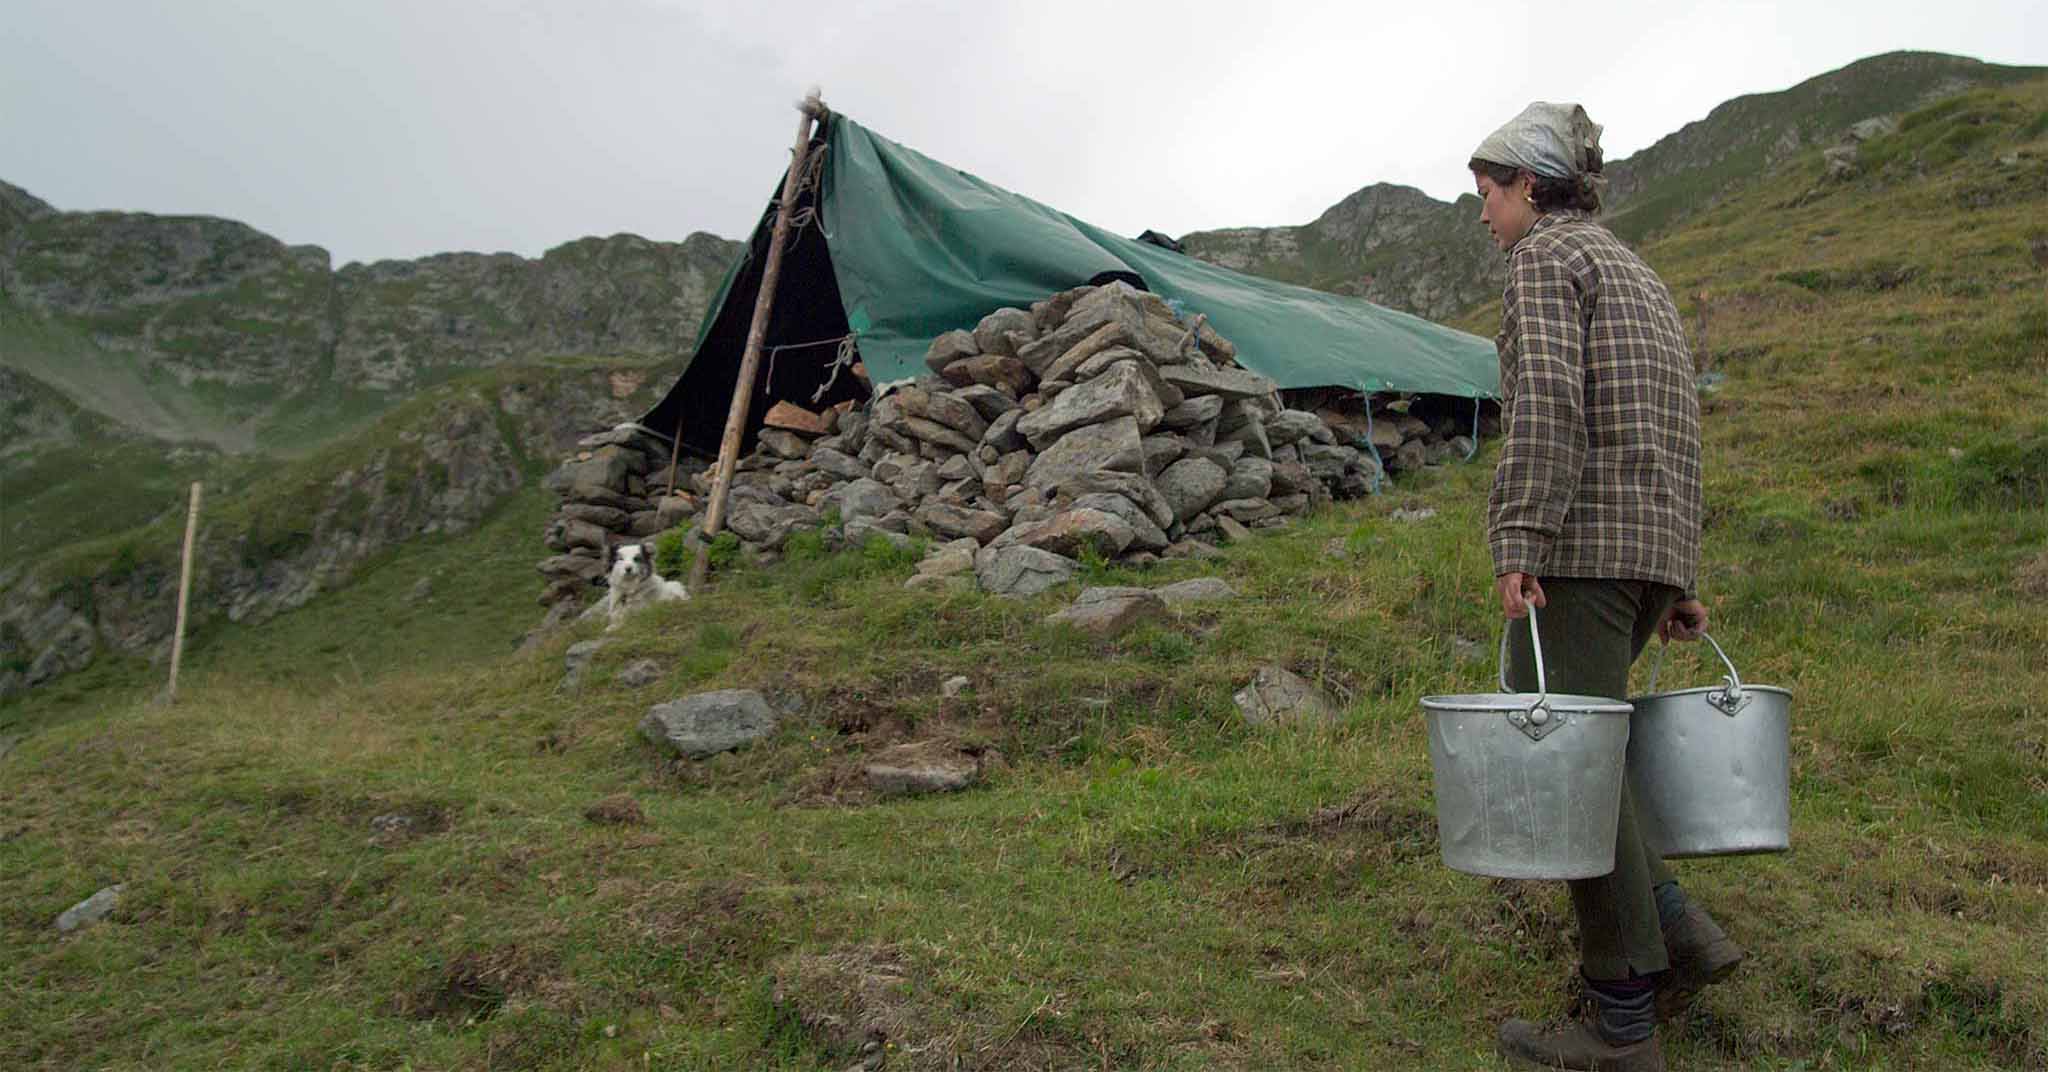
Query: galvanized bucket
[(1710, 768), (1528, 785)]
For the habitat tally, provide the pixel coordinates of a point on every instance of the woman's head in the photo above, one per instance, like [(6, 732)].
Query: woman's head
[(1512, 198), (1545, 159)]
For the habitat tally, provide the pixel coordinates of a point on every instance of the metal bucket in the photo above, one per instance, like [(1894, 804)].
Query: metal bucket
[(1528, 785), (1710, 768)]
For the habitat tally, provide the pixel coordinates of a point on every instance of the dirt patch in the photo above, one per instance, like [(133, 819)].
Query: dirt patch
[(874, 1004), (857, 1002), (843, 780), (617, 810), (474, 986), (706, 924)]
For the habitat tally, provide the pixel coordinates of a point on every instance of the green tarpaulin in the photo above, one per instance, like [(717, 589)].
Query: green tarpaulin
[(903, 248)]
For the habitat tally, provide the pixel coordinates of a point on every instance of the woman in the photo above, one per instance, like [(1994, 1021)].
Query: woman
[(1594, 519)]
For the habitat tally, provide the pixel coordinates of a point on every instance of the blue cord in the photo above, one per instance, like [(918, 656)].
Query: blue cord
[(1379, 464)]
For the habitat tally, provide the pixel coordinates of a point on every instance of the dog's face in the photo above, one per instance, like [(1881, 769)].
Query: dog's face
[(631, 562)]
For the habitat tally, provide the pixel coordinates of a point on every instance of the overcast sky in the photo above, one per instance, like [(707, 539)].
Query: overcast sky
[(397, 128)]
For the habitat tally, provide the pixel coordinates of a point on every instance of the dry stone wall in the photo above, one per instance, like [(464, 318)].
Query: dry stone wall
[(1097, 421)]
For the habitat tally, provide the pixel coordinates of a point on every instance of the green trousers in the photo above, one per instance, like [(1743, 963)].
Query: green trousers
[(1592, 631)]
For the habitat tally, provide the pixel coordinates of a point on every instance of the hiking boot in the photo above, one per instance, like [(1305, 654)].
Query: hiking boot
[(1577, 1044), (1701, 955), (1616, 1031)]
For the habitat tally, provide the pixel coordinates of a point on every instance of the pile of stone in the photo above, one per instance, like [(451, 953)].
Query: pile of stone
[(614, 489), (1097, 421)]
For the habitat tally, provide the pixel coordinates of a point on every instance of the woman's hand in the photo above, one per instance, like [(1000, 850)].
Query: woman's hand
[(1519, 592), (1686, 620)]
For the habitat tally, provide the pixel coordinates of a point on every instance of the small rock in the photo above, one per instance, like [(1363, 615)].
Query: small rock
[(1196, 590), (1335, 548), (953, 686), (640, 673), (576, 658), (422, 590), (92, 910), (708, 723), (948, 559), (791, 417), (392, 823), (619, 810), (1422, 514), (922, 767), (1277, 695), (1108, 612), (1232, 530), (1021, 571)]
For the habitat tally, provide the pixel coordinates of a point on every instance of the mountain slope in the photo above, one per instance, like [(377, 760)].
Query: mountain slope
[(347, 854), (1402, 248)]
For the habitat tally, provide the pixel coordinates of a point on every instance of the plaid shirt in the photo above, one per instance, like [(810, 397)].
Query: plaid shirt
[(1599, 474)]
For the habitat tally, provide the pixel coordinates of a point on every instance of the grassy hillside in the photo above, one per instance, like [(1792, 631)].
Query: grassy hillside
[(1144, 882)]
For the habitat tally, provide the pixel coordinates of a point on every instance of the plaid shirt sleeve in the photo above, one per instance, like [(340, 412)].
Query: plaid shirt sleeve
[(1543, 383)]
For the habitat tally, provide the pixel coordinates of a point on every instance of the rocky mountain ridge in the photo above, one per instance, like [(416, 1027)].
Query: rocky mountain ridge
[(1398, 246), (219, 306)]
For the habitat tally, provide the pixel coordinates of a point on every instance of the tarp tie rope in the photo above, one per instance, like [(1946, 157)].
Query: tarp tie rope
[(843, 359), (844, 342), (1379, 465), (811, 181), (1474, 448)]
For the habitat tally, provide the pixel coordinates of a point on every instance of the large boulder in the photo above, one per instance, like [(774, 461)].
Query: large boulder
[(987, 401), (839, 463), (708, 723), (1294, 425), (993, 334), (960, 522), (1146, 535), (864, 497), (1069, 532), (1121, 392), (948, 348), (1019, 571), (1196, 379), (1250, 478), (1191, 484), (1002, 432), (1108, 612), (1132, 486), (1111, 445), (1193, 413)]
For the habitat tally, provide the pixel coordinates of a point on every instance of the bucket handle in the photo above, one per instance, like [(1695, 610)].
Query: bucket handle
[(1539, 720), (1729, 698)]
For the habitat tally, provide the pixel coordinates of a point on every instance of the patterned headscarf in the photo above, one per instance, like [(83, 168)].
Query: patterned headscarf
[(1555, 141)]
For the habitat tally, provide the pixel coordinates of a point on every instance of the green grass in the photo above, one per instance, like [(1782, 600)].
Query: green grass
[(1143, 881)]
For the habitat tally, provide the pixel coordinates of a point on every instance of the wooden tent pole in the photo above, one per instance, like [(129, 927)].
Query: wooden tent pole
[(764, 302), (184, 595)]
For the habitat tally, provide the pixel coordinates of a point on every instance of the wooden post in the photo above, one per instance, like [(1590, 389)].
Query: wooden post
[(184, 594), (764, 302), (675, 452)]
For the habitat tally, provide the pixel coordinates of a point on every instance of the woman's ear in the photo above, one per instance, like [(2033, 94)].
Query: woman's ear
[(1525, 185)]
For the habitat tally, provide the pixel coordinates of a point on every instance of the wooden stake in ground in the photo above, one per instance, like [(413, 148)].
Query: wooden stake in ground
[(743, 392), (184, 595)]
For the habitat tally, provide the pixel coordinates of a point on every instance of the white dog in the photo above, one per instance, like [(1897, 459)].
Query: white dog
[(634, 584)]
